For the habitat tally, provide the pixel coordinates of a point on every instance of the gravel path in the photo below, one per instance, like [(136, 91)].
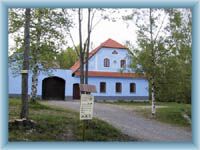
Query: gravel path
[(131, 123)]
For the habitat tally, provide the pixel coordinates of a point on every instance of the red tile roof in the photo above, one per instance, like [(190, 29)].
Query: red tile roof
[(111, 74), (108, 44), (112, 44)]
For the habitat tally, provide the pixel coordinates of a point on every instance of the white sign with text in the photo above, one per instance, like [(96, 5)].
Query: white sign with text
[(86, 107)]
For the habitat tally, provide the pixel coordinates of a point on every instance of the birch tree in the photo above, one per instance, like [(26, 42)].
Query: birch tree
[(163, 52), (149, 50), (46, 25), (47, 39), (35, 52), (152, 76)]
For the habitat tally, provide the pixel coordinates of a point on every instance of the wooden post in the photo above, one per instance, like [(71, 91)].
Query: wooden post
[(84, 125), (83, 130)]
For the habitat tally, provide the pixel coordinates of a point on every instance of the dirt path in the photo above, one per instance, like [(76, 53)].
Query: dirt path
[(131, 123)]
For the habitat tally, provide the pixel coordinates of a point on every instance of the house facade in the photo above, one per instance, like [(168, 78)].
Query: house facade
[(109, 70)]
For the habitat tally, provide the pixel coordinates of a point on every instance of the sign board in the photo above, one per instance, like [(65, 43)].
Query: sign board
[(24, 71), (86, 107), (87, 88)]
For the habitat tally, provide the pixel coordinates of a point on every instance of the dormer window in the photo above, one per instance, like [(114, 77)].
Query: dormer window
[(114, 52), (106, 62), (123, 63)]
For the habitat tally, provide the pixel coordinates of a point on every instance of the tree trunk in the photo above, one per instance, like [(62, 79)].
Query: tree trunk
[(34, 83), (24, 97), (88, 46), (81, 48), (35, 61), (81, 70), (153, 111)]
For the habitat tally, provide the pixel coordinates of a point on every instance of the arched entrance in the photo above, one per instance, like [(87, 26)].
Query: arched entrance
[(53, 88), (76, 91)]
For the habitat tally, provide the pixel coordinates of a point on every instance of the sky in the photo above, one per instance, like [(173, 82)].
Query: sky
[(117, 30)]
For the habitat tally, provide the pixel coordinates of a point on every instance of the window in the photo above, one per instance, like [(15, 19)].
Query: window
[(106, 62), (123, 63), (114, 52), (118, 87), (102, 87), (132, 88)]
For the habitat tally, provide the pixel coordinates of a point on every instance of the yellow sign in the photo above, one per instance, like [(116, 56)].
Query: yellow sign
[(24, 71), (86, 107)]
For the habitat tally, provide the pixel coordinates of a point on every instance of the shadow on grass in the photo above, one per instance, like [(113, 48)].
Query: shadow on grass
[(55, 124)]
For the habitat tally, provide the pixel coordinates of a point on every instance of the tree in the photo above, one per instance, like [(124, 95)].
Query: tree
[(163, 52), (24, 109), (83, 50), (46, 25), (146, 57), (84, 41), (88, 45), (66, 58), (46, 33), (180, 43)]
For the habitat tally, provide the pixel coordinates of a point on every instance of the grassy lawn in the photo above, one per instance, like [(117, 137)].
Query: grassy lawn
[(167, 112), (173, 114), (53, 124)]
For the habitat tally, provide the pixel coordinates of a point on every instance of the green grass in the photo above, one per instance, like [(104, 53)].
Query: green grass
[(126, 103), (55, 124), (171, 113)]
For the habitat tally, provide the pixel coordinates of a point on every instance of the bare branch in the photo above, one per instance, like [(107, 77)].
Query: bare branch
[(160, 27), (80, 29), (92, 27), (70, 35), (77, 51)]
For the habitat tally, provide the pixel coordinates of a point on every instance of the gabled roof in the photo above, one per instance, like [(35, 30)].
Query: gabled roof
[(112, 44), (107, 44)]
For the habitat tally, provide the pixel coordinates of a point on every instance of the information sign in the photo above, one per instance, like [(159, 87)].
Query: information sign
[(86, 107)]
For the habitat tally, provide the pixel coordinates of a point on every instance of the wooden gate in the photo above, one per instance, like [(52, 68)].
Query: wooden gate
[(53, 88)]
